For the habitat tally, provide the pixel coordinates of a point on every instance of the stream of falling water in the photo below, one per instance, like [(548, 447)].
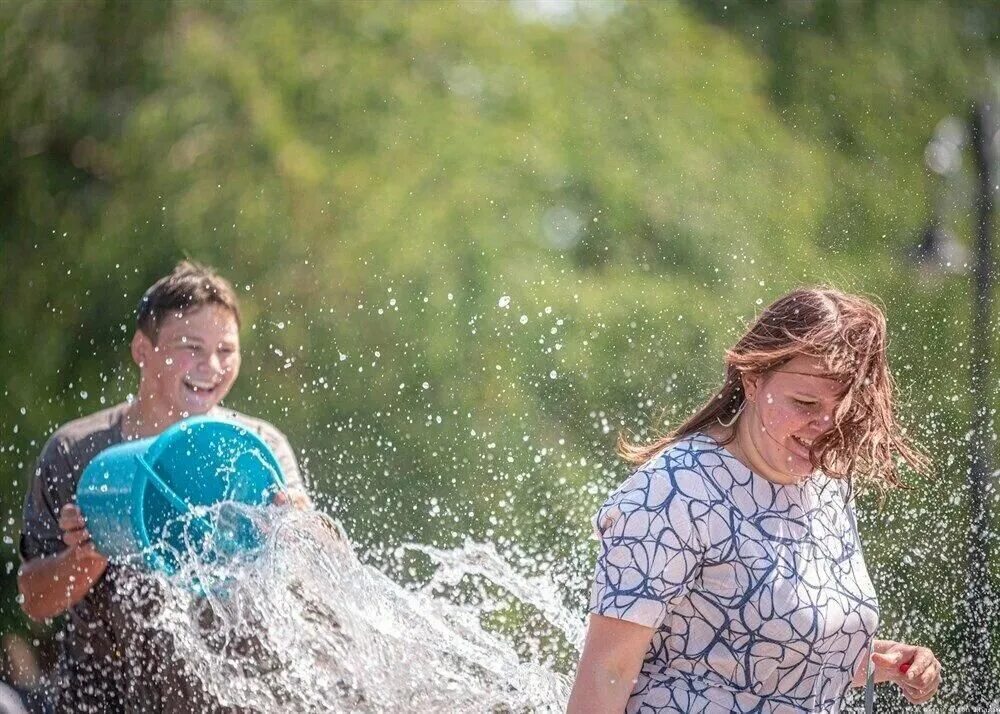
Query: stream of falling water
[(302, 625)]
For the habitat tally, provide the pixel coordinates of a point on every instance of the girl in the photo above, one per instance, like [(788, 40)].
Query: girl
[(730, 576)]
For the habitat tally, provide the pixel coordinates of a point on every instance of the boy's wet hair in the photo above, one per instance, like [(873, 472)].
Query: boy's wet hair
[(188, 286)]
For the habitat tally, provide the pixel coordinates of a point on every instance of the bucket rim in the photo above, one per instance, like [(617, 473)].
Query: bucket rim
[(196, 423)]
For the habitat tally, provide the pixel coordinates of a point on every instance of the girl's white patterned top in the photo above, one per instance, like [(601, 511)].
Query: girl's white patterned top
[(757, 591)]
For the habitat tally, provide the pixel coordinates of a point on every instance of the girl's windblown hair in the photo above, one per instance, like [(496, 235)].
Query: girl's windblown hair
[(847, 334)]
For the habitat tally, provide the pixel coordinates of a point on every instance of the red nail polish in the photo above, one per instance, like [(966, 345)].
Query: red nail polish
[(904, 667)]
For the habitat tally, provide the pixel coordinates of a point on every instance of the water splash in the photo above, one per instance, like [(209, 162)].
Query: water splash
[(303, 625)]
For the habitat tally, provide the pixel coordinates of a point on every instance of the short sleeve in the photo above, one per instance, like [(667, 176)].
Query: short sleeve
[(49, 489), (649, 552), (286, 457)]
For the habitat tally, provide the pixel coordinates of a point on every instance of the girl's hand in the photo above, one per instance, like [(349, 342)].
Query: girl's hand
[(914, 669)]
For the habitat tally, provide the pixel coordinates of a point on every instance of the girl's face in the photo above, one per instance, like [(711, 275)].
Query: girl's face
[(789, 408)]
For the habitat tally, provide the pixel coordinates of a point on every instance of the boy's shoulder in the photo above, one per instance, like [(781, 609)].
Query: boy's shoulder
[(87, 435)]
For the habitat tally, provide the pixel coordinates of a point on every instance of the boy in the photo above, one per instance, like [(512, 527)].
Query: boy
[(187, 348)]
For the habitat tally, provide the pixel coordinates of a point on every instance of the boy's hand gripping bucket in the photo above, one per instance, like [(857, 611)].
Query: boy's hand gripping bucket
[(147, 496)]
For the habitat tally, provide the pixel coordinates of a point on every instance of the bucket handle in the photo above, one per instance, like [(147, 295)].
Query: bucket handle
[(176, 501)]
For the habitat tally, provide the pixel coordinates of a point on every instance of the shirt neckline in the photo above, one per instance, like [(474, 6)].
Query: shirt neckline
[(721, 448)]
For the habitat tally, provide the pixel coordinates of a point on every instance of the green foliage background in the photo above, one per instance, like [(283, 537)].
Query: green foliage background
[(638, 178)]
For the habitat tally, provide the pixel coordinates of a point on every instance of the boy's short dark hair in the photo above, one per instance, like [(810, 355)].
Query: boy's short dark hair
[(189, 285)]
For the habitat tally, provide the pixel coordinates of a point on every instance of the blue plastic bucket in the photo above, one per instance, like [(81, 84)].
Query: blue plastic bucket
[(143, 497)]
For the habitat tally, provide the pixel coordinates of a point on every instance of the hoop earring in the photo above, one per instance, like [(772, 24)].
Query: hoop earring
[(735, 416)]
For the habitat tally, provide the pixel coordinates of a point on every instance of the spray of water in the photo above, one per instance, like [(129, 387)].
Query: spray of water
[(301, 624)]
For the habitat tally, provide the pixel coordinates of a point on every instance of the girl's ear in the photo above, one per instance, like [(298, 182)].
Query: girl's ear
[(750, 383)]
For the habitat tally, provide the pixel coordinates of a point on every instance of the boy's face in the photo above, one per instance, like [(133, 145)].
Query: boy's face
[(193, 363)]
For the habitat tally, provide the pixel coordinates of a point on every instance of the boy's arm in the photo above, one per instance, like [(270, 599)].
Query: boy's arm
[(51, 584), (59, 562)]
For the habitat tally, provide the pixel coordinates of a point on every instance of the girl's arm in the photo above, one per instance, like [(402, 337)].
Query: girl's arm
[(609, 666)]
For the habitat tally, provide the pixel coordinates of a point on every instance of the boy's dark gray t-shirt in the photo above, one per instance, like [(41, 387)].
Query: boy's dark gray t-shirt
[(110, 661)]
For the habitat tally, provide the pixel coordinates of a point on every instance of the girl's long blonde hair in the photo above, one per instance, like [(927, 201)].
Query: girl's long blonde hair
[(848, 334)]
